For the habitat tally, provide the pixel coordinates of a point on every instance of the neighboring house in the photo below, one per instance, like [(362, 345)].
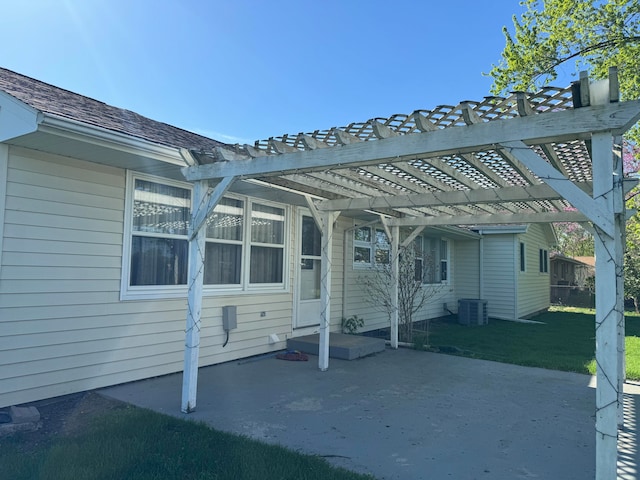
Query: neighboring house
[(571, 271), (570, 280), (94, 214)]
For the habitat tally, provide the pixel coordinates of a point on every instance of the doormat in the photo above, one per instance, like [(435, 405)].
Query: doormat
[(293, 355)]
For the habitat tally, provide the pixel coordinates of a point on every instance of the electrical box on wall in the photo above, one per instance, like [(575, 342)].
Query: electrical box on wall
[(229, 318)]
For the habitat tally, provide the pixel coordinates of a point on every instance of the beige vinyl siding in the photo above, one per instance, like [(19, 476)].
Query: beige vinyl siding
[(337, 272), (533, 286), (467, 272), (357, 301), (62, 326), (498, 282), (4, 166)]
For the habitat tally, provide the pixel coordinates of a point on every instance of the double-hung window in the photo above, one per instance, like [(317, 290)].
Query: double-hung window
[(382, 247), (370, 247), (431, 255), (444, 260), (160, 220), (362, 246), (223, 251), (244, 242), (434, 259), (267, 244)]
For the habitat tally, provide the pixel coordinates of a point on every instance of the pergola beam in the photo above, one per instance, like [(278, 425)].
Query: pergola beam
[(552, 177), (415, 172), (410, 186), (537, 217), (533, 130), (458, 197)]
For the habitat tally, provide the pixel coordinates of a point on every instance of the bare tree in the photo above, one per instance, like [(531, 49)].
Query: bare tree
[(412, 293)]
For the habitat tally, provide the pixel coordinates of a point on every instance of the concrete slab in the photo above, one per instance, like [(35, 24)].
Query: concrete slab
[(405, 414), (345, 347)]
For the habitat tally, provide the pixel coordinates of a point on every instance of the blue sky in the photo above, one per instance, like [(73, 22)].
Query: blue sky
[(242, 70)]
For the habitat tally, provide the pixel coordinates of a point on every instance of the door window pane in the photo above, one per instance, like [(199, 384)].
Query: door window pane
[(311, 237), (310, 279)]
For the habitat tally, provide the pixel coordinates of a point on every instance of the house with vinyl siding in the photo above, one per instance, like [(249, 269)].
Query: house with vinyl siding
[(94, 214)]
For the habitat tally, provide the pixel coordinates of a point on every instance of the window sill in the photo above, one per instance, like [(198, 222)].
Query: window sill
[(169, 294)]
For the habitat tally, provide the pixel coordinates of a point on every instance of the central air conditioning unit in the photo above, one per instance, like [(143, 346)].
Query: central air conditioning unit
[(472, 311)]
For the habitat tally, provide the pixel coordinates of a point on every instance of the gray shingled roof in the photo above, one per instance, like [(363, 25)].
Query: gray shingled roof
[(57, 101)]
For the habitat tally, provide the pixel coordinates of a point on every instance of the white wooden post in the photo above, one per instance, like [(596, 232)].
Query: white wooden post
[(325, 290), (194, 303), (607, 190), (202, 203), (395, 269), (620, 219)]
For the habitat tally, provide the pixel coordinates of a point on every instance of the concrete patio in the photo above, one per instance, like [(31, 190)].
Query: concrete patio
[(405, 414)]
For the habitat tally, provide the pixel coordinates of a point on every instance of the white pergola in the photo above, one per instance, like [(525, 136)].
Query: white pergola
[(551, 156)]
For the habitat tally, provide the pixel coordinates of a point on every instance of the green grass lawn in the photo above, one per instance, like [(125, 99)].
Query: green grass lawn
[(565, 341), (136, 444)]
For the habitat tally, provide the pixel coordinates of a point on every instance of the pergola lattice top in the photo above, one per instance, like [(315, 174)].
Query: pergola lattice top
[(463, 170)]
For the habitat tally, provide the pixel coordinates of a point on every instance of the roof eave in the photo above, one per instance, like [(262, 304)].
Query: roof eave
[(80, 131), (16, 118)]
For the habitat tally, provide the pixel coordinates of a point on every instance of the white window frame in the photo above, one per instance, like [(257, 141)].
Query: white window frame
[(382, 246), (369, 245), (438, 261), (543, 261), (153, 292), (137, 292), (444, 260), (212, 288), (250, 243)]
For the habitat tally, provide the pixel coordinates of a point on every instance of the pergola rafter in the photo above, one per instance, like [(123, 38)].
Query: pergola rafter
[(547, 156)]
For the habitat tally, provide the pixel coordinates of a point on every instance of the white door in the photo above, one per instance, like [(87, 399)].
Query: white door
[(308, 297)]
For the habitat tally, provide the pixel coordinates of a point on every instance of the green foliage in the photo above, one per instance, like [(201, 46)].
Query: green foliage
[(573, 240), (352, 324), (421, 342), (632, 255), (142, 445), (573, 35)]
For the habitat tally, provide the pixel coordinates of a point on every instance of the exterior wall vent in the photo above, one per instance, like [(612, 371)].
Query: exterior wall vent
[(472, 311)]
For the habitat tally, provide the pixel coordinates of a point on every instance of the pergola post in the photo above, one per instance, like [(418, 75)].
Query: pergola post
[(609, 251), (395, 269), (202, 203), (325, 290), (194, 304)]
